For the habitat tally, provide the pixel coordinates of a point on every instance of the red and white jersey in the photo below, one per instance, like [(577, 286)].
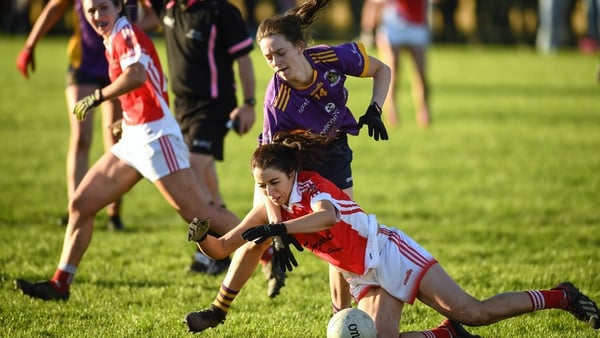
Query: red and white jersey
[(414, 11), (128, 45), (351, 244)]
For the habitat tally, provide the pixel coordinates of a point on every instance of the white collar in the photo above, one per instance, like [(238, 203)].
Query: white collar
[(295, 196), (119, 24)]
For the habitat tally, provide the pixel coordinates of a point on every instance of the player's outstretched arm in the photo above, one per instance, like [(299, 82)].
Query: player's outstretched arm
[(221, 247)]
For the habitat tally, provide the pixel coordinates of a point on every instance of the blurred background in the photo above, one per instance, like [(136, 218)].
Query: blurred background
[(505, 22)]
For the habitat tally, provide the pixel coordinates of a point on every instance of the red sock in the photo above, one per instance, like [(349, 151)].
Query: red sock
[(547, 299), (62, 280), (438, 332)]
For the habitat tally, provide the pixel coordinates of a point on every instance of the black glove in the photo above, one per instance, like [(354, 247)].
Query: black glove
[(262, 232), (282, 255), (198, 229), (372, 119)]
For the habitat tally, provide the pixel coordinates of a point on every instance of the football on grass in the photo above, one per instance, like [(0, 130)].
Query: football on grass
[(351, 323)]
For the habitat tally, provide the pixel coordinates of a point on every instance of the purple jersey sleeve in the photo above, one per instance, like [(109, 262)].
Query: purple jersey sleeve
[(321, 106)]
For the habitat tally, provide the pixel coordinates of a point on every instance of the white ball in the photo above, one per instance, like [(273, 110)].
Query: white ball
[(351, 323)]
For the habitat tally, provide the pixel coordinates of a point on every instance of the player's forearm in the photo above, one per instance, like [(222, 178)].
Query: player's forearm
[(382, 76), (219, 248), (246, 74), (132, 77), (314, 222), (53, 11)]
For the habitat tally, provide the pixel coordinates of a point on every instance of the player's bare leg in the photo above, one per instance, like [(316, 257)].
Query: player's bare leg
[(107, 180), (181, 191), (111, 113), (386, 311), (339, 289), (419, 86), (441, 292), (80, 140), (203, 166)]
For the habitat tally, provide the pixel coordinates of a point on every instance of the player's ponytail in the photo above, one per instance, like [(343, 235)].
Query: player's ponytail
[(293, 23), (290, 151)]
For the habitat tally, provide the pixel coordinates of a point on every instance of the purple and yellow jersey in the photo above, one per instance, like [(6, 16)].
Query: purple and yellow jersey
[(321, 106), (86, 49)]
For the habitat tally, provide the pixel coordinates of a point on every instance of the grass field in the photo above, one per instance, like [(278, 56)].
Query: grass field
[(504, 190)]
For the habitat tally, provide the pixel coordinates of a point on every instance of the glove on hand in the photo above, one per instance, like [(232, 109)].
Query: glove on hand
[(25, 60), (262, 232), (198, 229), (372, 119), (282, 255), (84, 105)]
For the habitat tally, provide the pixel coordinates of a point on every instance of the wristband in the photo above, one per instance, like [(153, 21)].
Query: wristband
[(251, 102), (377, 107), (98, 97)]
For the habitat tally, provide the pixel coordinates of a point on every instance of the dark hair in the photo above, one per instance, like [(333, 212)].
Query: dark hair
[(290, 151), (123, 4), (291, 24)]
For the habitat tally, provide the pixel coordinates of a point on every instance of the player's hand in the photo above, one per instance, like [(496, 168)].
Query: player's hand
[(84, 105), (198, 229), (261, 233), (372, 119), (116, 128), (234, 124), (25, 60), (282, 255), (242, 119)]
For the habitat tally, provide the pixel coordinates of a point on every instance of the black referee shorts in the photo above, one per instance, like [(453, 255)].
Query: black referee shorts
[(203, 124)]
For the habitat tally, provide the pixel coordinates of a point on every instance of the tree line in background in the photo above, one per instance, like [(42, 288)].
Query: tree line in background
[(506, 22)]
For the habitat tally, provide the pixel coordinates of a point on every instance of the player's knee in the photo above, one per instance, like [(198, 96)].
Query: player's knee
[(80, 208)]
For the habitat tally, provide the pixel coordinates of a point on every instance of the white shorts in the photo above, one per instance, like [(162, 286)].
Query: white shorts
[(402, 265), (156, 159), (400, 32)]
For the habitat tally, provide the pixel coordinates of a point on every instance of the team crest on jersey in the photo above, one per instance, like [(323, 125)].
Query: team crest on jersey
[(308, 187), (332, 77)]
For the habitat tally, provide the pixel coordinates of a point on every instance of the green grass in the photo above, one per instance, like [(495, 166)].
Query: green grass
[(504, 190)]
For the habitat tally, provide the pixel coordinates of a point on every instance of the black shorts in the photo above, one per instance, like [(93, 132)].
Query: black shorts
[(203, 124), (337, 166), (75, 76)]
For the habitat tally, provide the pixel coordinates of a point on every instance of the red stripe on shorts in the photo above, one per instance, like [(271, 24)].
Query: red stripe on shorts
[(168, 153), (409, 252)]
